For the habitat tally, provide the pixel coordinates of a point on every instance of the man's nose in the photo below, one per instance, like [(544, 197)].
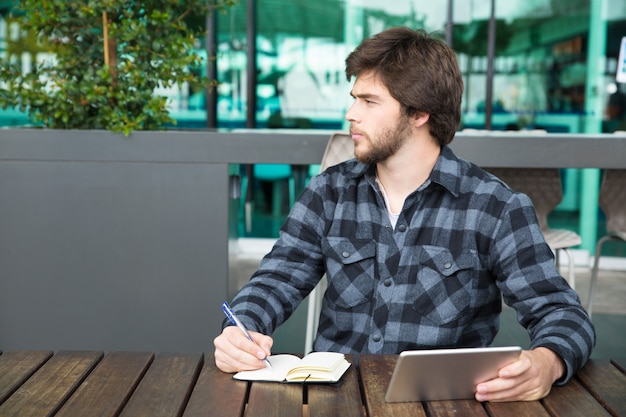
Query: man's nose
[(351, 114)]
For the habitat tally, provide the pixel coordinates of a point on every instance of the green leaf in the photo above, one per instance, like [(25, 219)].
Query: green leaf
[(152, 42)]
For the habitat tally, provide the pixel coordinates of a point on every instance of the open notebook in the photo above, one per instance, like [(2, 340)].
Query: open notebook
[(318, 367)]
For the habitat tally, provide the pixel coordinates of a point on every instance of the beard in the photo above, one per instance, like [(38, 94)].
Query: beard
[(386, 144)]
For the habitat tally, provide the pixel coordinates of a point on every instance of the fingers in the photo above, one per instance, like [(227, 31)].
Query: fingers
[(514, 392), (264, 342), (526, 379), (234, 352), (517, 368), (506, 386)]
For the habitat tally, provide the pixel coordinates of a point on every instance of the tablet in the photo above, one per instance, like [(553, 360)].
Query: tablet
[(446, 374)]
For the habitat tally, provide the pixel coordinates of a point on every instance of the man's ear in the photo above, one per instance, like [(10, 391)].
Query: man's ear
[(420, 119)]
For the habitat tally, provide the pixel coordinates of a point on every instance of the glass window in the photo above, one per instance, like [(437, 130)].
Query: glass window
[(539, 67), (301, 49), (554, 64)]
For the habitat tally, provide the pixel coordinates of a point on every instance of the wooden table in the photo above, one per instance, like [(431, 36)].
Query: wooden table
[(75, 384)]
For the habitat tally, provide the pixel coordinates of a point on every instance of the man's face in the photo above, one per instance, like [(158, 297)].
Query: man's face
[(377, 125)]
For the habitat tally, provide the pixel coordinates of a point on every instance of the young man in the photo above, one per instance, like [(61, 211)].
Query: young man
[(418, 245)]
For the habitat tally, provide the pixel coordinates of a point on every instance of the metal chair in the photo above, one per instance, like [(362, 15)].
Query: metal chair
[(278, 175), (543, 186), (612, 201), (339, 148)]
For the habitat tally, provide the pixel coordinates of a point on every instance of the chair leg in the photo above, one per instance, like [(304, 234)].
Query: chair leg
[(311, 322), (277, 198), (292, 192), (594, 273), (248, 215), (557, 259), (245, 207), (571, 279)]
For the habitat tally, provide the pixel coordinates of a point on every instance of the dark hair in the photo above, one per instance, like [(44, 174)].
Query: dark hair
[(420, 71)]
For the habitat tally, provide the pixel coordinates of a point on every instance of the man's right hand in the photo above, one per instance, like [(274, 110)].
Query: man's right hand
[(234, 352)]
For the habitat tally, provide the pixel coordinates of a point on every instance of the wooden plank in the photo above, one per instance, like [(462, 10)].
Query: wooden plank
[(620, 363), (165, 388), (573, 400), (455, 408), (51, 385), (517, 409), (106, 390), (273, 399), (342, 400), (216, 393), (607, 384), (376, 373), (16, 367)]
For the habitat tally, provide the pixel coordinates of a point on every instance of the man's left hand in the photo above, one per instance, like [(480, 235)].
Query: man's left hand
[(527, 379)]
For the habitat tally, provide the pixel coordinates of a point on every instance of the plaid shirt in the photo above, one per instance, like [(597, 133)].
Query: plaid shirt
[(463, 242)]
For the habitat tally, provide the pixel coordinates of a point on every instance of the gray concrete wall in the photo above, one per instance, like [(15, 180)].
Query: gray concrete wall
[(112, 242)]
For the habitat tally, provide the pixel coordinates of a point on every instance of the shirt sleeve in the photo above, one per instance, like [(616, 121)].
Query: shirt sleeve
[(289, 272), (546, 305)]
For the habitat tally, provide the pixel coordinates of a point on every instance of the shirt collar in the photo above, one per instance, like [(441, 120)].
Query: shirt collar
[(445, 173)]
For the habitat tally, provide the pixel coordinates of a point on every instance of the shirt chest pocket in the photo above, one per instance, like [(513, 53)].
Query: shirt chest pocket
[(350, 268), (445, 285)]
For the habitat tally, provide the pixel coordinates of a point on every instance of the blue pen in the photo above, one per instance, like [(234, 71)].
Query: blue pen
[(234, 320)]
